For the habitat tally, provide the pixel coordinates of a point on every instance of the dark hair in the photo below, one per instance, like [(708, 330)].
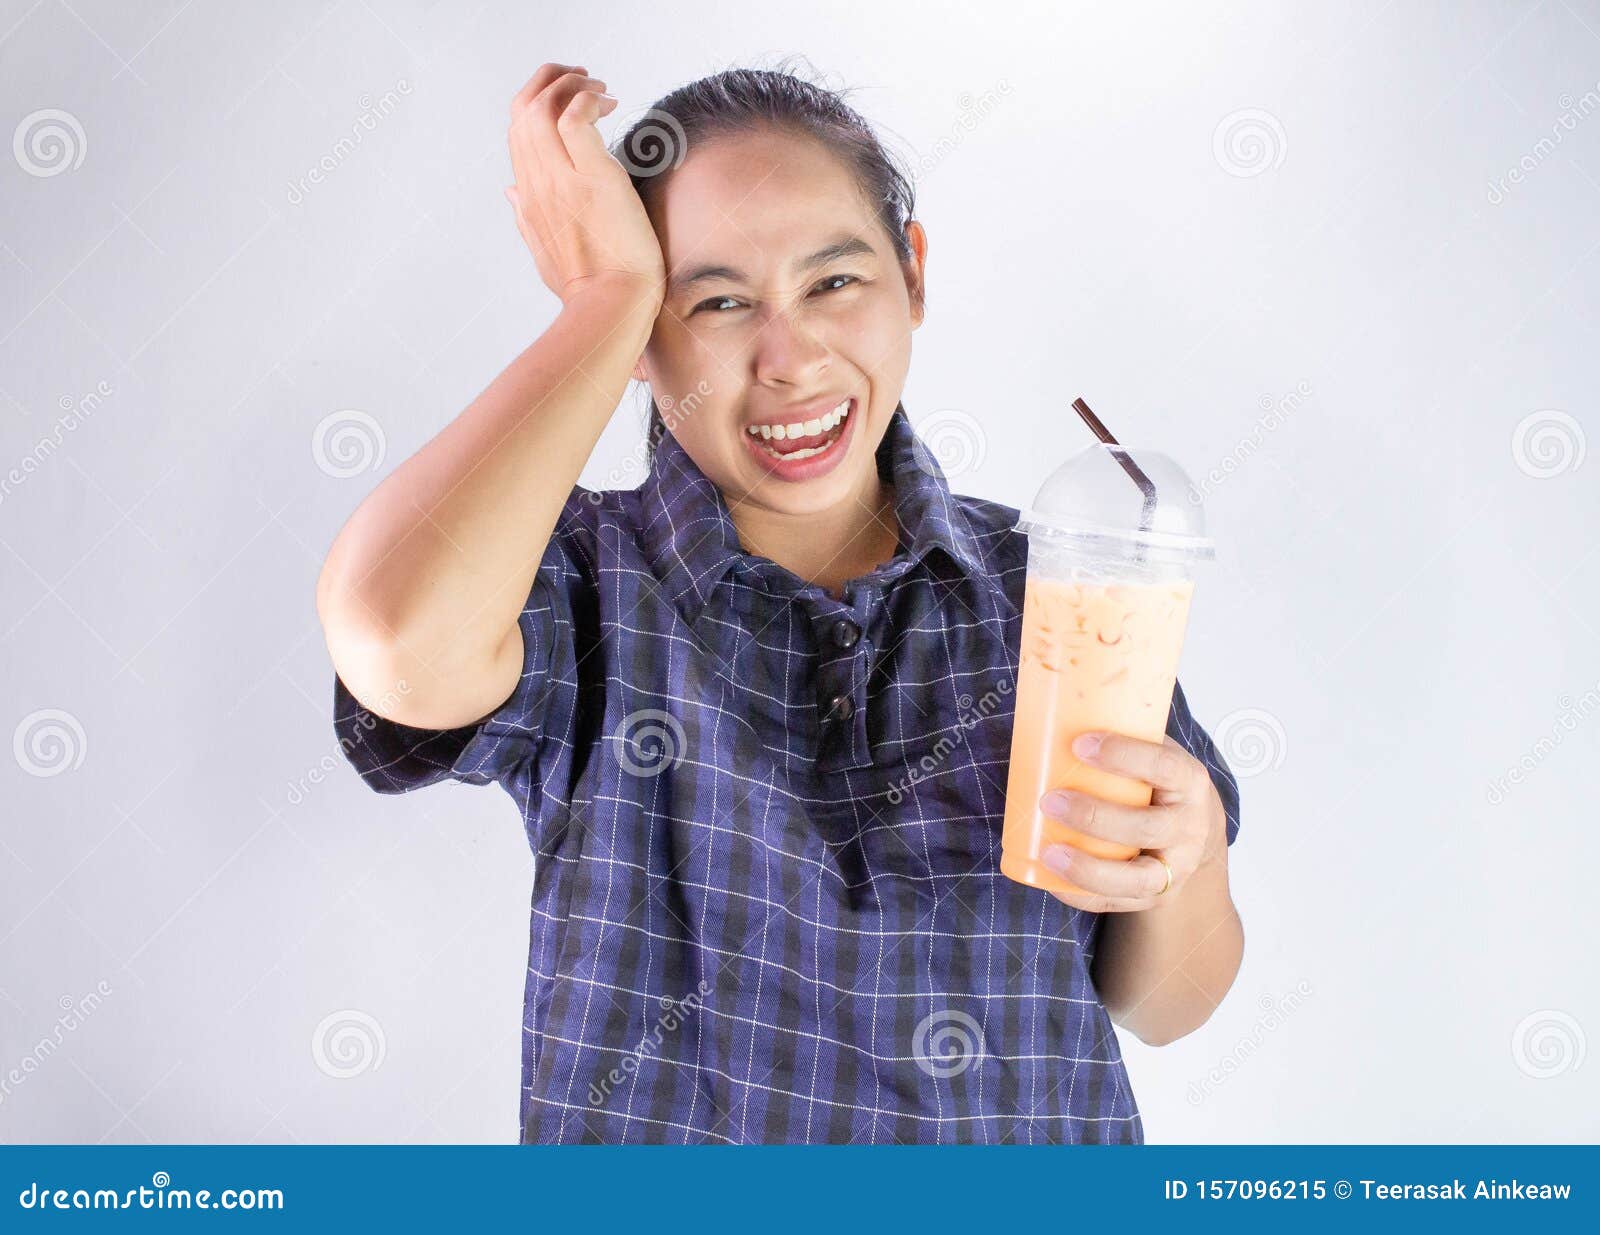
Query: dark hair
[(747, 100)]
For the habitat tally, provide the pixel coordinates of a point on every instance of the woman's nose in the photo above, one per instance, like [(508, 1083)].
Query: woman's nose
[(787, 350)]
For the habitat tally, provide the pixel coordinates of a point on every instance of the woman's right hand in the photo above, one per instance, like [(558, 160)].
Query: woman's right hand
[(575, 206)]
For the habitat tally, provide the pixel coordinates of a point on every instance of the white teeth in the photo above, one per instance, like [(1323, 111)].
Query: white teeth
[(802, 428)]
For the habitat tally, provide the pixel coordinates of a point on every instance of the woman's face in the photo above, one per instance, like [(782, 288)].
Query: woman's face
[(785, 305)]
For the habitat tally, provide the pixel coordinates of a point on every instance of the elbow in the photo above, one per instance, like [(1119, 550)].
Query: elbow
[(1167, 1029), (338, 608), (367, 658), (1175, 1009), (1166, 1035), (371, 672), (393, 674), (388, 679)]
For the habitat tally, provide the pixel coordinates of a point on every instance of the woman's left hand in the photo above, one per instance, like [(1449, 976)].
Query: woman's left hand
[(1184, 824)]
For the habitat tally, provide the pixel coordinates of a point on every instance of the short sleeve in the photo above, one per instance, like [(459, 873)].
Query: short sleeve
[(395, 758), (1188, 733)]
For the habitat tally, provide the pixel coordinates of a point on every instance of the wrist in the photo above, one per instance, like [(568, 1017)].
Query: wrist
[(617, 292), (618, 320)]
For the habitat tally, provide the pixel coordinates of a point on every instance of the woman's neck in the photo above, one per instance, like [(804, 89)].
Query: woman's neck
[(828, 548)]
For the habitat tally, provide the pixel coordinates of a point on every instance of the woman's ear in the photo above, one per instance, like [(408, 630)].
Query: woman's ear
[(916, 271)]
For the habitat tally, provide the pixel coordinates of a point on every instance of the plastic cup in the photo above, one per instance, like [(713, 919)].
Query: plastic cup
[(1110, 577)]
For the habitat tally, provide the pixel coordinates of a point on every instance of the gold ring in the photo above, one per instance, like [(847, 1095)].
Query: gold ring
[(1165, 867)]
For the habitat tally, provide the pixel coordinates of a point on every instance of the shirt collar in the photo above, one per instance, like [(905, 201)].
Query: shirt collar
[(689, 535)]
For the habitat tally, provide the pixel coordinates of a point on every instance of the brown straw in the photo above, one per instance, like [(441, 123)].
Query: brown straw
[(1146, 486)]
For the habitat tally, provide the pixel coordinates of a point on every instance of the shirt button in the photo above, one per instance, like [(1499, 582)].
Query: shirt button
[(846, 633), (841, 707)]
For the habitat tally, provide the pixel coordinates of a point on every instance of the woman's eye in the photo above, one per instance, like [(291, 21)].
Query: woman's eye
[(711, 306)]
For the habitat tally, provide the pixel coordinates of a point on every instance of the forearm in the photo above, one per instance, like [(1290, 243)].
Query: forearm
[(439, 559), (1162, 971)]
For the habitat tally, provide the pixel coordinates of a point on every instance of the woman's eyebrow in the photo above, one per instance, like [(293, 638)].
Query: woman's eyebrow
[(844, 246)]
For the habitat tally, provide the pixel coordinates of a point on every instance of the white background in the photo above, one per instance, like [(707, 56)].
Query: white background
[(1410, 606)]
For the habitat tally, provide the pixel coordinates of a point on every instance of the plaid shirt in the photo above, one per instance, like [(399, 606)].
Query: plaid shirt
[(767, 904)]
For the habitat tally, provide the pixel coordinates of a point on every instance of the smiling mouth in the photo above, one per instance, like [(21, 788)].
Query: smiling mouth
[(805, 439)]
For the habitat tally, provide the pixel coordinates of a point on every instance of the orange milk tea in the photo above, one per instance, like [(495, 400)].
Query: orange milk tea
[(1095, 656)]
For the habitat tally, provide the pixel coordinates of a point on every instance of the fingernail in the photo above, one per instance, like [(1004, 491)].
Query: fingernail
[(609, 97), (1057, 858), (1056, 802), (1087, 745)]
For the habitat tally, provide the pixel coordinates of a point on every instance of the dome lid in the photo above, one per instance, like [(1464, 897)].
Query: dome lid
[(1108, 495)]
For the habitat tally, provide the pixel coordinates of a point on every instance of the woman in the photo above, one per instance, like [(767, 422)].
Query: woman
[(749, 923)]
